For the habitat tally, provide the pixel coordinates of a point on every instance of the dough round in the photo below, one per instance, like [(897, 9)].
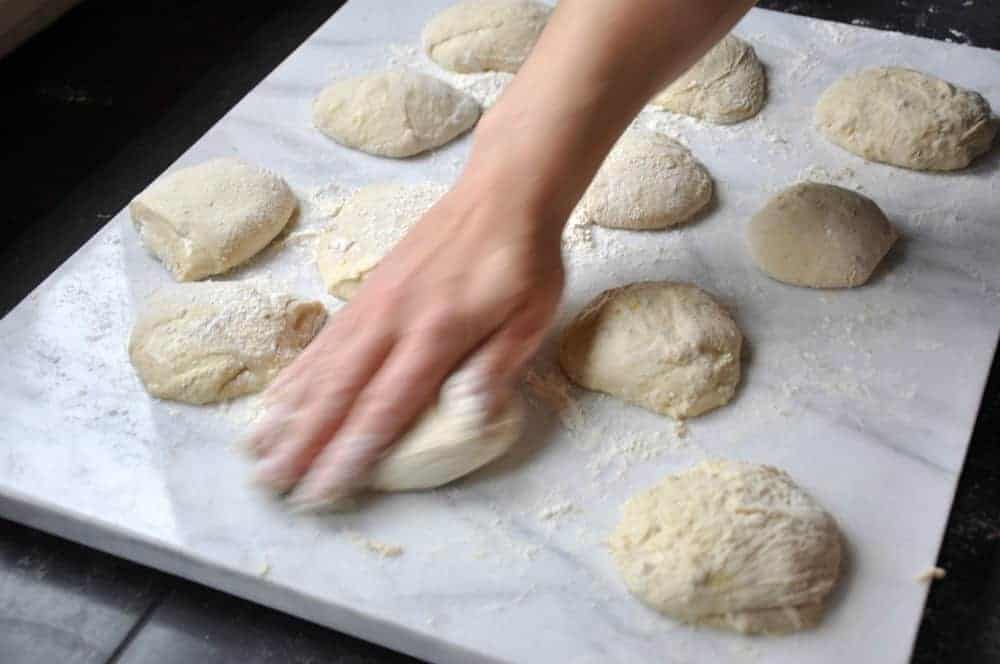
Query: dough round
[(731, 545), (367, 227), (727, 85), (820, 236), (208, 218), (485, 35), (906, 118), (665, 346), (648, 181), (394, 113), (449, 441), (200, 343)]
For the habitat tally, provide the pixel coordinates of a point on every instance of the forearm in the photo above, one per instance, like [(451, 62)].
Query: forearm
[(593, 69)]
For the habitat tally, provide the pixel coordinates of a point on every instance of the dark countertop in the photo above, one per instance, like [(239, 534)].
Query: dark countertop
[(101, 103)]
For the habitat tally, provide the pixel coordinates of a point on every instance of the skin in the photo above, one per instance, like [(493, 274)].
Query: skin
[(474, 286)]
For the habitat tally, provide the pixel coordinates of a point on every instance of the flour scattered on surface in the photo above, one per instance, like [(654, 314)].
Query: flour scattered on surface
[(551, 387), (930, 574), (381, 549), (484, 87)]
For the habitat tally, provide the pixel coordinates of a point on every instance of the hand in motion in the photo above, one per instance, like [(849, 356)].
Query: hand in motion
[(477, 280), (474, 282)]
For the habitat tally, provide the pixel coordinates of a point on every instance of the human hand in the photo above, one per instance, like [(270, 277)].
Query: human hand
[(475, 283)]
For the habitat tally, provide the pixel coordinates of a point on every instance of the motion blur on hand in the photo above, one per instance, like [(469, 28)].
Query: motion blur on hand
[(475, 285)]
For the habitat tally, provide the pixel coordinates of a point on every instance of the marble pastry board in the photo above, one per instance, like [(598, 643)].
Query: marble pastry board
[(867, 397)]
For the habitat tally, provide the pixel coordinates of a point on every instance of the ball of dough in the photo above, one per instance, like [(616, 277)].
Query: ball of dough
[(731, 545), (665, 346), (820, 236), (367, 227), (200, 343), (648, 181), (906, 118), (395, 113), (209, 218), (450, 440), (485, 35), (727, 85)]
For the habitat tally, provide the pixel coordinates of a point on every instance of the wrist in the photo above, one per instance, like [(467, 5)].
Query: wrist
[(510, 162)]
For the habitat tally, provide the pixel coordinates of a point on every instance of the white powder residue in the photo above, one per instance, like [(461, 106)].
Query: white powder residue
[(245, 319), (554, 390), (485, 87), (550, 512), (819, 173), (381, 549)]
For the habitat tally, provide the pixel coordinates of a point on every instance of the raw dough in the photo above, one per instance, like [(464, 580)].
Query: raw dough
[(394, 113), (208, 218), (731, 545), (367, 227), (727, 85), (665, 346), (820, 236), (454, 437), (648, 181), (450, 440), (905, 118), (206, 342), (485, 35)]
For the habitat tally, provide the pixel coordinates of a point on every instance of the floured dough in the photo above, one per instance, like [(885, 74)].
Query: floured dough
[(393, 113), (454, 436), (367, 227), (820, 236), (449, 441), (648, 181), (731, 545), (906, 118), (727, 85), (206, 342), (206, 219), (485, 35), (665, 346)]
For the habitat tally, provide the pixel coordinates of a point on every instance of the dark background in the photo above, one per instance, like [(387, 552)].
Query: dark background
[(99, 104)]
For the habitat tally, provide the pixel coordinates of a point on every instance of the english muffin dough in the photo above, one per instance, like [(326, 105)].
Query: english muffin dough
[(727, 85), (906, 118), (648, 181), (212, 341), (730, 545), (820, 236), (665, 346), (394, 113), (209, 218), (368, 226), (452, 439), (485, 35)]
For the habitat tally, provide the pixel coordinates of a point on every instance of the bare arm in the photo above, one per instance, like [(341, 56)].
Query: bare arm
[(593, 69), (476, 283)]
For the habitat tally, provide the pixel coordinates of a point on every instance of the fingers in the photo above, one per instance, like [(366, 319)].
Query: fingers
[(402, 389), (312, 407), (493, 369)]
